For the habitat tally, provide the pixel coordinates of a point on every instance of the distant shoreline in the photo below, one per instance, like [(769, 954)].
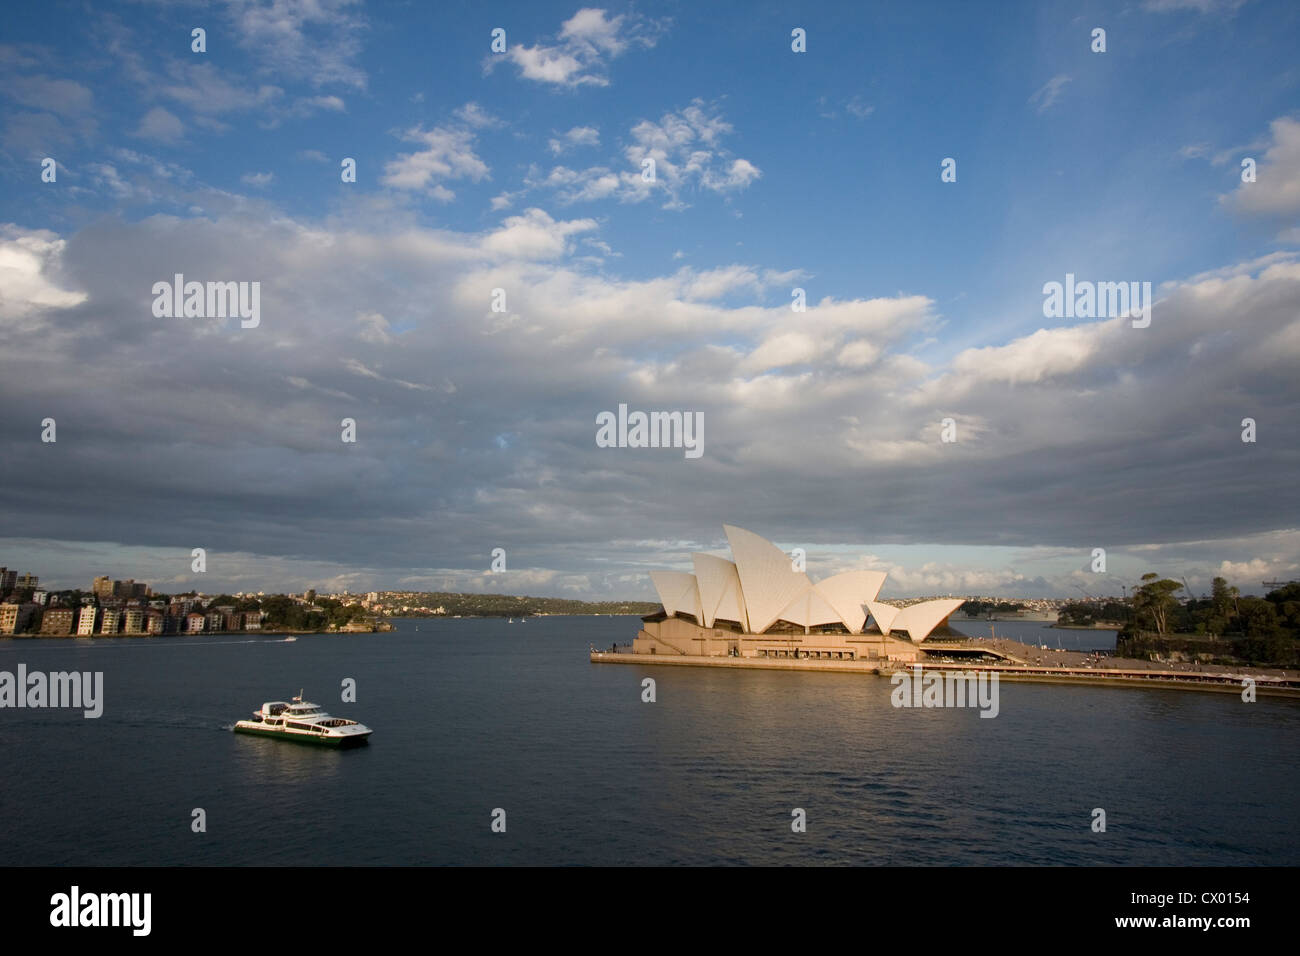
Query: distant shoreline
[(384, 626), (264, 632)]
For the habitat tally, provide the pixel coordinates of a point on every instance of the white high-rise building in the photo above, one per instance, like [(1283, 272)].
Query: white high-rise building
[(86, 619)]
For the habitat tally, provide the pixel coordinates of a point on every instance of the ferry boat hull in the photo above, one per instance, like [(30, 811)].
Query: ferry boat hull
[(315, 740)]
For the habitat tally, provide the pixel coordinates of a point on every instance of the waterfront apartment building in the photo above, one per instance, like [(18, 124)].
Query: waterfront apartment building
[(58, 621), (86, 620), (111, 621), (134, 621), (194, 623), (14, 618), (155, 623)]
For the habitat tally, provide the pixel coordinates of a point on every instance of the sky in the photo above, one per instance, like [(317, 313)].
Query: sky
[(502, 271)]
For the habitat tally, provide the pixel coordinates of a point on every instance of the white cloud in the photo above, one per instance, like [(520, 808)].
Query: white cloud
[(474, 115), (585, 44), (357, 368), (533, 235), (257, 180), (315, 40), (204, 89), (716, 283), (30, 283), (1049, 92), (161, 126), (1200, 6), (1034, 358), (578, 136), (1276, 190), (448, 153), (307, 105), (597, 182), (687, 151), (859, 108), (67, 98), (374, 328), (505, 200), (106, 176)]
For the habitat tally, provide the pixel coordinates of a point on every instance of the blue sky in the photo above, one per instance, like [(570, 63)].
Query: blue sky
[(778, 169)]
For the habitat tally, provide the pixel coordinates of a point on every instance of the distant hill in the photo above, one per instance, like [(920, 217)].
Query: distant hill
[(450, 604)]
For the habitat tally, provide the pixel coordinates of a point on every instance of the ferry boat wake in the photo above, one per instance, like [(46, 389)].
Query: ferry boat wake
[(303, 722)]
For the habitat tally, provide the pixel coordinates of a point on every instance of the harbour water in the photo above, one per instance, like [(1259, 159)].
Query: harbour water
[(475, 715)]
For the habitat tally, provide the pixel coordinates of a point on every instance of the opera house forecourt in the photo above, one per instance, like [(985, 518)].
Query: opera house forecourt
[(759, 606)]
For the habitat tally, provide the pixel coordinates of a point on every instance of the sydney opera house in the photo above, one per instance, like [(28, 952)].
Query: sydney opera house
[(759, 606)]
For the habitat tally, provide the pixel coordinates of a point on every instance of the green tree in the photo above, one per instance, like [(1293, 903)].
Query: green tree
[(1154, 602)]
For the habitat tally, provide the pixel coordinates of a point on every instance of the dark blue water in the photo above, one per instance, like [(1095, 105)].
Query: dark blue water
[(472, 715)]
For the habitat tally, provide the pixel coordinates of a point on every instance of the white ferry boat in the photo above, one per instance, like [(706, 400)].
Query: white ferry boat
[(303, 722)]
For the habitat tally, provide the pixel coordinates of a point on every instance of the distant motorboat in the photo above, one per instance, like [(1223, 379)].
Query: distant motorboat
[(288, 640), (511, 621)]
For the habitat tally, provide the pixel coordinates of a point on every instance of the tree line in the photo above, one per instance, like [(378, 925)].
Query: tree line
[(1259, 630)]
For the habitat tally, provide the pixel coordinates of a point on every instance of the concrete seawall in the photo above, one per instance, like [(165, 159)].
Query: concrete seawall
[(1167, 680)]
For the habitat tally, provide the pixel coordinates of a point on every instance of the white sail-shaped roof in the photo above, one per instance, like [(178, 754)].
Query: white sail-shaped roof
[(810, 608), (883, 615), (766, 577), (762, 587), (847, 592), (720, 592), (920, 619), (677, 592)]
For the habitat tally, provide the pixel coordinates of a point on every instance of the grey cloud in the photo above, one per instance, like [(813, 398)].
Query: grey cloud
[(178, 433)]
